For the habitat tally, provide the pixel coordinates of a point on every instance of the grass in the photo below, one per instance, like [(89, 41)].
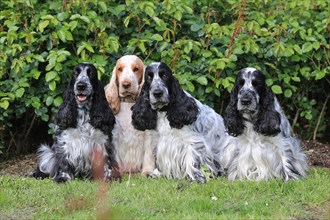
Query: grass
[(136, 197)]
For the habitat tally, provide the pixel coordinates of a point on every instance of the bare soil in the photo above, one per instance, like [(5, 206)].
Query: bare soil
[(318, 155)]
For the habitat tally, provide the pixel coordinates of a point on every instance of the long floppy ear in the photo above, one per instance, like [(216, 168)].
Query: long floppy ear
[(182, 109), (111, 92), (143, 116), (67, 113), (268, 120), (233, 120), (100, 113)]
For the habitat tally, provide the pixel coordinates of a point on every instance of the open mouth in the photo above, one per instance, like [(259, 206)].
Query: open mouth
[(81, 97)]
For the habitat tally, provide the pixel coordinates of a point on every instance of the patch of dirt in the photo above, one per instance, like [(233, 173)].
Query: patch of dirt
[(318, 155)]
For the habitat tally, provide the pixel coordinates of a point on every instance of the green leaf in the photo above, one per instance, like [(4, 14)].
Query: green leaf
[(206, 53), (150, 11), (297, 49), (42, 25), (49, 100), (39, 58), (89, 47), (4, 104), (319, 74), (202, 80), (61, 35), (52, 85), (195, 27), (277, 89), (103, 6), (269, 82), (85, 19), (50, 76), (35, 73), (295, 78), (190, 86), (20, 92), (316, 45), (288, 93), (308, 46), (58, 101), (157, 37)]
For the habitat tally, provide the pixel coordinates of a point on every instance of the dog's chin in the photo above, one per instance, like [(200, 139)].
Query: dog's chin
[(128, 94), (158, 105)]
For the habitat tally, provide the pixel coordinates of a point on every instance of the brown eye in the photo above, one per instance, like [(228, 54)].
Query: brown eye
[(135, 69), (149, 78), (120, 69), (163, 75)]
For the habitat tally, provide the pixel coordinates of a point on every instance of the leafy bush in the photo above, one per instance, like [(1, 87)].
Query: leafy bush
[(204, 42)]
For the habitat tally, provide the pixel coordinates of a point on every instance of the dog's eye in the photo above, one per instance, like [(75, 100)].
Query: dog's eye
[(135, 69), (120, 69), (149, 77), (75, 73), (241, 82), (163, 75), (254, 83)]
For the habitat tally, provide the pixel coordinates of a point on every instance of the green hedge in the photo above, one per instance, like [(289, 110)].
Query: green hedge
[(204, 42)]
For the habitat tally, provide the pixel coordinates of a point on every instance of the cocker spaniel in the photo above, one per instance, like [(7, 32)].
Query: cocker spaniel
[(263, 147), (134, 148), (190, 133), (84, 123)]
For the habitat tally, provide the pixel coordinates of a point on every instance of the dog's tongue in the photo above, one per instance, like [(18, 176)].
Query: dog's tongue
[(81, 98)]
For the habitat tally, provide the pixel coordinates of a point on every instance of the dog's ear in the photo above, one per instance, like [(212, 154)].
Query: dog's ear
[(233, 119), (268, 120), (112, 94), (143, 116), (182, 109), (67, 113)]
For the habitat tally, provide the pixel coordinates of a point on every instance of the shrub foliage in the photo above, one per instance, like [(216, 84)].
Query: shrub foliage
[(204, 42)]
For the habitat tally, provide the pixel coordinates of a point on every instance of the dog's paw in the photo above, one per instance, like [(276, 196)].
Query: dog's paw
[(199, 177), (63, 177), (154, 174), (37, 174)]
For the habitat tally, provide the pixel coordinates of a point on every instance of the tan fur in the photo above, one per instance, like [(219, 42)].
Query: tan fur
[(134, 149)]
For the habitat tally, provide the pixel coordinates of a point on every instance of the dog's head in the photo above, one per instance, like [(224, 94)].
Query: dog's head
[(83, 75), (126, 81)]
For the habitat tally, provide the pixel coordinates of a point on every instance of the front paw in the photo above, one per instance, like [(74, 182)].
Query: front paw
[(63, 177), (199, 177), (154, 174)]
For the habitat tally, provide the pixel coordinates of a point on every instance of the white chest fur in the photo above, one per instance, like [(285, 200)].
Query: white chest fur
[(78, 143)]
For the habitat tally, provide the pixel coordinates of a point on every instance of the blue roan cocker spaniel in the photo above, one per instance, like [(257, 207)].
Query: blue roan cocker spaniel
[(191, 134), (262, 147), (84, 123)]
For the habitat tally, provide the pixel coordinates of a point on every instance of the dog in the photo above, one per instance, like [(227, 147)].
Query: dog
[(82, 141), (134, 148), (190, 133), (263, 146)]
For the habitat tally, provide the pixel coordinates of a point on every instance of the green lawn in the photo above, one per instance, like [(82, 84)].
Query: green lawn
[(136, 197)]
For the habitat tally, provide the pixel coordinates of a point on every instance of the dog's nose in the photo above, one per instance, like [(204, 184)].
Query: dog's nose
[(158, 93), (126, 85), (245, 101), (81, 86)]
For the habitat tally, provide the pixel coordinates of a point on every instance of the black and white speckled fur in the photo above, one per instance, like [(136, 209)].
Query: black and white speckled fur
[(262, 147), (83, 125), (190, 133)]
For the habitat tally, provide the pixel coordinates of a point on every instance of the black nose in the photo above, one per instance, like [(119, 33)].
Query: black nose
[(158, 93), (245, 101), (81, 86), (126, 85)]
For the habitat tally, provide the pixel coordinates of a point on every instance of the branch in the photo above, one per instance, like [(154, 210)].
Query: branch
[(320, 116)]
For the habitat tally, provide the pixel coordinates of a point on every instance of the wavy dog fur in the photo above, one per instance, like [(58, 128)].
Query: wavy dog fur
[(263, 147), (190, 133), (84, 123)]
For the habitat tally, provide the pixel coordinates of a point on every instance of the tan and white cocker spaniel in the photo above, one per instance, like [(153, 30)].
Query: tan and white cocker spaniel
[(134, 149)]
